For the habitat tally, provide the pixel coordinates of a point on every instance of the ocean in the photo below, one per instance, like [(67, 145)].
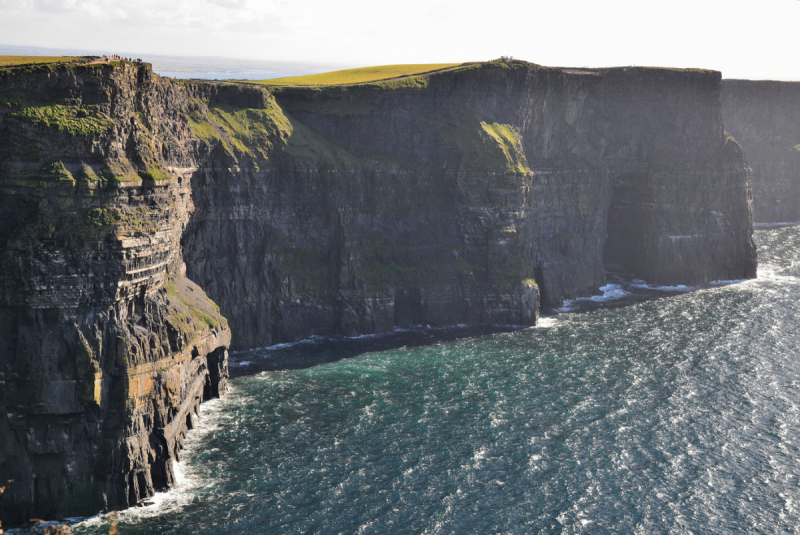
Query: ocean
[(642, 410)]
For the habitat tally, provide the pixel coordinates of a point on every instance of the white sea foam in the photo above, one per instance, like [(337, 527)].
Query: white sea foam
[(610, 293), (545, 322), (677, 288), (773, 225), (162, 502), (772, 273), (728, 282), (567, 306)]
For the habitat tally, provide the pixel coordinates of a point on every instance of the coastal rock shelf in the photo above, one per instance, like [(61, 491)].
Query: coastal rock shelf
[(132, 205)]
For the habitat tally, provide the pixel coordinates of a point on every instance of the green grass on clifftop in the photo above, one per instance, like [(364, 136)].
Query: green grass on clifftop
[(10, 61), (360, 76)]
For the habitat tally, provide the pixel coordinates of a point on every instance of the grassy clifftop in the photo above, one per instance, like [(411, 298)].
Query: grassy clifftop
[(11, 61), (361, 75)]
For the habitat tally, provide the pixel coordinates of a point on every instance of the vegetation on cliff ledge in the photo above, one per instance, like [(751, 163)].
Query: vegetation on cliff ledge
[(192, 312), (254, 132), (263, 133), (72, 119), (509, 141)]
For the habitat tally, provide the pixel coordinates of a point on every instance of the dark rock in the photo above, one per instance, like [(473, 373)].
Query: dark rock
[(764, 117), (106, 348), (485, 177)]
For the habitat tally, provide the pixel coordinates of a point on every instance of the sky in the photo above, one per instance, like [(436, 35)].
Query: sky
[(756, 39)]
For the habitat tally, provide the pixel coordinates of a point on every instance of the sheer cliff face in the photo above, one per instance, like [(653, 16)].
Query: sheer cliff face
[(461, 197), (106, 349), (765, 118), (441, 199)]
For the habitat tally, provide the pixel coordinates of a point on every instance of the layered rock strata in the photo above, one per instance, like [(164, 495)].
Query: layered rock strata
[(467, 196), (106, 348), (764, 116)]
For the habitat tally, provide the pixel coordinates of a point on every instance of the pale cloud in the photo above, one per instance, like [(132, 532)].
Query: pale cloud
[(741, 37), (57, 6)]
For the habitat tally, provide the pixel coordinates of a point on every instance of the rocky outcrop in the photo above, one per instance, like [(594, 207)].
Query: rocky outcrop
[(764, 116), (106, 348), (467, 196)]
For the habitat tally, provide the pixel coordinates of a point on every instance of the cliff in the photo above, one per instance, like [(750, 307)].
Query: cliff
[(467, 196), (430, 200), (106, 348), (764, 117)]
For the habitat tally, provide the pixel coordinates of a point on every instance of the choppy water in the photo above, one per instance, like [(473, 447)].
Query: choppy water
[(674, 414)]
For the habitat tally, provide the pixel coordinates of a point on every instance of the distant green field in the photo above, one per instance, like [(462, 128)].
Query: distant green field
[(9, 61), (360, 76)]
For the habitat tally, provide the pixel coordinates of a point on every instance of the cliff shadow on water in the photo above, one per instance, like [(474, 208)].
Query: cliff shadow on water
[(320, 351)]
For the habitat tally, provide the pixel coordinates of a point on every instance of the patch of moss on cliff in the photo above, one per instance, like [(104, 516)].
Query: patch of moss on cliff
[(72, 119), (311, 149), (61, 220), (101, 217), (509, 141), (191, 311), (120, 170), (137, 222), (383, 266), (51, 174), (155, 172), (479, 146), (346, 104), (511, 271), (12, 99), (56, 172), (86, 174), (249, 131), (509, 266), (266, 133), (306, 269)]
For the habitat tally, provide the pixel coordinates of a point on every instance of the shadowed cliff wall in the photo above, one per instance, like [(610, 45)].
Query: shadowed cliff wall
[(764, 117), (485, 177)]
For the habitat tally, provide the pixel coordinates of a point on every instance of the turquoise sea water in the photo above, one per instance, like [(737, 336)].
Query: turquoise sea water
[(678, 412)]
